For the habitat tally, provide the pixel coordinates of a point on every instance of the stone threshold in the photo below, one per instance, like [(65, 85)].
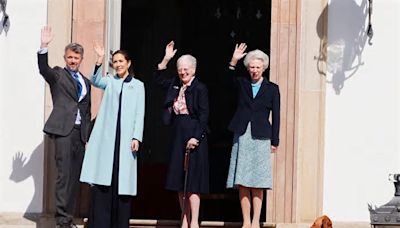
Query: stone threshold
[(14, 220), (40, 220), (176, 223)]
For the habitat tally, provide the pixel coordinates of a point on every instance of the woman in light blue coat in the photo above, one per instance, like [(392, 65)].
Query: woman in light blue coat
[(110, 162)]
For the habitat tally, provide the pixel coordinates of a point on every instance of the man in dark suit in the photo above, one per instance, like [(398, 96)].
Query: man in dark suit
[(68, 122)]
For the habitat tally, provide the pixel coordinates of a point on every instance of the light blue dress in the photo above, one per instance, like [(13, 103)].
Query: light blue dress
[(250, 163)]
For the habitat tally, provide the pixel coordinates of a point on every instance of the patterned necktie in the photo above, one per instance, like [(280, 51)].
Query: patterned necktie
[(78, 83)]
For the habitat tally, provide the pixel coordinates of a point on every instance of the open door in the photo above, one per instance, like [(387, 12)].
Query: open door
[(209, 30)]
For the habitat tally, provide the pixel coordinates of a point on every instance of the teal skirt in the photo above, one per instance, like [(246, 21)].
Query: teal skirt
[(250, 163)]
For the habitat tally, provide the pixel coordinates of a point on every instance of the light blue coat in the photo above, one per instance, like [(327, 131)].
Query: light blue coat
[(98, 161)]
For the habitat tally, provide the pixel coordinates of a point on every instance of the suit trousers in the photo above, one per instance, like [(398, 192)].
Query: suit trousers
[(69, 152)]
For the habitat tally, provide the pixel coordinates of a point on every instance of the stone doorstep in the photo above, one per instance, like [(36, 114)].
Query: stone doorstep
[(209, 224), (38, 220), (175, 223), (14, 220)]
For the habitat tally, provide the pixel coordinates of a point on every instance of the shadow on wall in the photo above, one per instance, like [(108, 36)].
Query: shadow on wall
[(340, 55), (22, 169), (4, 18)]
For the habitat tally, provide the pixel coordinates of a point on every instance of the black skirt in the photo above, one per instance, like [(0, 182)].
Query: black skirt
[(198, 173)]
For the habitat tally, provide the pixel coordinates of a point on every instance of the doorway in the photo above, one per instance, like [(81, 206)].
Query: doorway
[(209, 30)]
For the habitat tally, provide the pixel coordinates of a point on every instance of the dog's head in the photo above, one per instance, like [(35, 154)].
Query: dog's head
[(322, 222)]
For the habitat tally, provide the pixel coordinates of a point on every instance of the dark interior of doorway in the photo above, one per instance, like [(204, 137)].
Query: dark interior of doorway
[(209, 30)]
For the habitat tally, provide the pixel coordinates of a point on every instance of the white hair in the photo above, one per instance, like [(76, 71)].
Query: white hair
[(256, 54), (189, 59)]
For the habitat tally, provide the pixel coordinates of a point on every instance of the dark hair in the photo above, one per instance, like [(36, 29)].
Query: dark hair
[(75, 47), (126, 56)]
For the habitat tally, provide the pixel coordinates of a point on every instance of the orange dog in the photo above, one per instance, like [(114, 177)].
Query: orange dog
[(322, 222)]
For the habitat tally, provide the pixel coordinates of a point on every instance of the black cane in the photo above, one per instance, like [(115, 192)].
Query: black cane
[(186, 169)]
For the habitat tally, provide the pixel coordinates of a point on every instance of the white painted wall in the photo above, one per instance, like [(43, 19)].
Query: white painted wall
[(21, 109), (363, 114)]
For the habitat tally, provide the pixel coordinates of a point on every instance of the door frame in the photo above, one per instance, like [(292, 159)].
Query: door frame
[(292, 47), (113, 29)]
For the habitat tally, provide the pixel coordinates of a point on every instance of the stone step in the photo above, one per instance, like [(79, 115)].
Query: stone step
[(14, 220), (175, 223)]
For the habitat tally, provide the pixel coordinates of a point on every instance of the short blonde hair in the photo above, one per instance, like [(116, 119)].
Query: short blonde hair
[(187, 59), (256, 54)]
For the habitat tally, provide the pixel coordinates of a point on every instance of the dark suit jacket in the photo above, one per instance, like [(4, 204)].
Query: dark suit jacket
[(256, 110), (196, 96), (65, 100)]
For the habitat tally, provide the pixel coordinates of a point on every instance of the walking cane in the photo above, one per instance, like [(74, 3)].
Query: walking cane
[(186, 169)]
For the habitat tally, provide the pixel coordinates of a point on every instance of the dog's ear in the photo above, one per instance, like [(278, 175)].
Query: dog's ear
[(329, 223), (326, 222), (317, 223)]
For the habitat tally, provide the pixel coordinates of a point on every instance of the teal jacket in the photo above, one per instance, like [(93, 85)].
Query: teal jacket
[(98, 161)]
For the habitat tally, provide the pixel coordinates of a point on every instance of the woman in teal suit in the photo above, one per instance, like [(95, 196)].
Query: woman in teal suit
[(110, 162)]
